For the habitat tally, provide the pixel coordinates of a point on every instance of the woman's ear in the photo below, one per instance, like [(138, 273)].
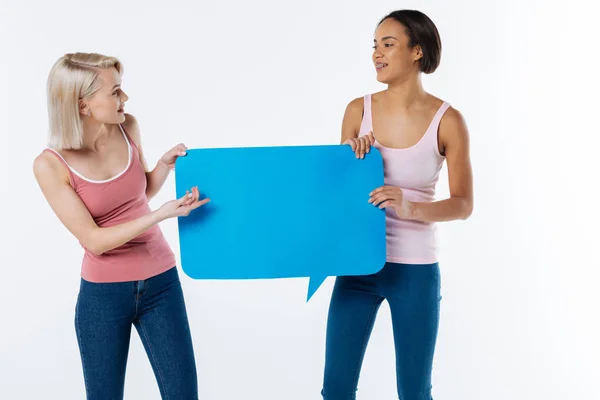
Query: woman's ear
[(418, 52), (84, 108)]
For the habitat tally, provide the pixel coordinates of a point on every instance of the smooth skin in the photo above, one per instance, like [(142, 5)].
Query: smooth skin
[(401, 115), (103, 155)]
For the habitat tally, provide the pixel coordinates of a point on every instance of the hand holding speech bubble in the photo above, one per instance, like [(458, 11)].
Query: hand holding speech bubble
[(281, 212)]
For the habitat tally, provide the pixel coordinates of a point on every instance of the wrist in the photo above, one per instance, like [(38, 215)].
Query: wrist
[(158, 215), (162, 166), (414, 210)]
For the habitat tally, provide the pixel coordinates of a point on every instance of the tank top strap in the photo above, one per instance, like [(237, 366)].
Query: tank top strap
[(367, 106), (130, 142), (366, 124), (135, 151), (431, 135), (72, 180), (435, 123)]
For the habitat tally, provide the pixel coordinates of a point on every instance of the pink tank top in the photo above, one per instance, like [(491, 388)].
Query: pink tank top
[(415, 170), (115, 201)]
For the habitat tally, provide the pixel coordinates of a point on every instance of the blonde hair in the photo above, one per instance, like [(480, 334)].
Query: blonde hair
[(73, 77)]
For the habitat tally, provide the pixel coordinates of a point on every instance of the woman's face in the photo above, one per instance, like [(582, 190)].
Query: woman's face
[(393, 58), (107, 104)]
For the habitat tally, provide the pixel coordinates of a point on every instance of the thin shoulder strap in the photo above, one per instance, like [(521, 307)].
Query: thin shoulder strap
[(367, 116), (432, 134), (135, 151), (127, 137), (367, 106), (439, 114)]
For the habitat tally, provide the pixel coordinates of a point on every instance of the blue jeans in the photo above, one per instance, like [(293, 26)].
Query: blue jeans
[(413, 294), (104, 315)]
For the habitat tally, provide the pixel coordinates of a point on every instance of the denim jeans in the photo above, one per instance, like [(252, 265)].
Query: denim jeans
[(413, 294), (104, 316)]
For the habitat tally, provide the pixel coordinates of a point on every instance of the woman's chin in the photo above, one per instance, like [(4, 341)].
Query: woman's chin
[(383, 77)]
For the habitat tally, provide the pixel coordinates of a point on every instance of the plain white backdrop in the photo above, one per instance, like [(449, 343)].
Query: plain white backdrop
[(519, 279)]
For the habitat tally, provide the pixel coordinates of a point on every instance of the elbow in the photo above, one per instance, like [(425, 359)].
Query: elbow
[(462, 208), (467, 209), (95, 249), (93, 244)]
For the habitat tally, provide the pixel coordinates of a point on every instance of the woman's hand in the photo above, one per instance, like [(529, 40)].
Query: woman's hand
[(169, 158), (183, 206), (361, 145), (392, 196)]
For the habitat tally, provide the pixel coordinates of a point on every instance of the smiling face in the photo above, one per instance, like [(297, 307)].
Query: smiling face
[(107, 104), (393, 56)]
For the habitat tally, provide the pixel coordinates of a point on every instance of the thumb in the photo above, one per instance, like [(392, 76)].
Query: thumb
[(182, 200), (371, 137), (351, 142)]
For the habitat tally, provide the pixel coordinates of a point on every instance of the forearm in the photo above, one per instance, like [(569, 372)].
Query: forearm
[(156, 179), (454, 208), (101, 240)]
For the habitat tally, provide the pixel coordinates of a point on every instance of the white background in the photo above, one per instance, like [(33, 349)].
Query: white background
[(519, 311)]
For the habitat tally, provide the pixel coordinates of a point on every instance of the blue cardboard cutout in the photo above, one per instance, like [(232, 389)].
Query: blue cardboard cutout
[(281, 212)]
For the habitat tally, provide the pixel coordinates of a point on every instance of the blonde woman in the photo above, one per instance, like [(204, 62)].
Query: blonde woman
[(96, 180)]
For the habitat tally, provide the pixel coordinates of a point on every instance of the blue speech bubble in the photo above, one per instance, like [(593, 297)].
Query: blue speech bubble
[(281, 212)]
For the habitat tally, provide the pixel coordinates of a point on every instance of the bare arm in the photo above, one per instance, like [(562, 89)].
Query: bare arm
[(156, 178), (454, 136), (351, 128), (352, 118), (53, 179)]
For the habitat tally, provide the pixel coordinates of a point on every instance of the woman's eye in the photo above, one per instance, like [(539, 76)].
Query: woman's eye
[(385, 44)]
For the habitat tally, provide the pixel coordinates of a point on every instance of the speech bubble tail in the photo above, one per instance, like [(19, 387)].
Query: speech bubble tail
[(313, 285)]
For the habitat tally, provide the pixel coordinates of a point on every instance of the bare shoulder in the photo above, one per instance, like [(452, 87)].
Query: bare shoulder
[(47, 167), (352, 119), (453, 125), (355, 110), (133, 129), (355, 106)]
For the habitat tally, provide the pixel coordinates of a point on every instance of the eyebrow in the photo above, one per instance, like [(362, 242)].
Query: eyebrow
[(116, 86), (385, 38)]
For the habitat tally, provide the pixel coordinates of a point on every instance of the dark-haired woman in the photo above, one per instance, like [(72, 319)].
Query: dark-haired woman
[(415, 133)]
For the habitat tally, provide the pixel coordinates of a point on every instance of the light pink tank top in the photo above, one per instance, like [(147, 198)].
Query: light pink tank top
[(115, 201), (415, 170)]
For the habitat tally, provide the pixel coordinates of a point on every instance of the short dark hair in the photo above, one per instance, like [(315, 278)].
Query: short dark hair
[(421, 31)]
